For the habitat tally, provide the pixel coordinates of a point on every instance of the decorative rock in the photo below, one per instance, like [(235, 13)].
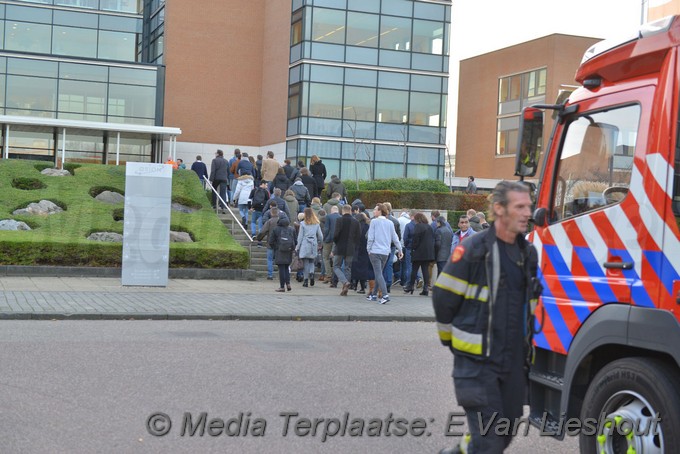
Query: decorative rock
[(110, 197), (183, 208), (109, 237), (11, 224), (180, 237), (42, 208), (56, 172)]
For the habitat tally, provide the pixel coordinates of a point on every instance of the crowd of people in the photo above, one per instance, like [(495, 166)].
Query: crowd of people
[(346, 244)]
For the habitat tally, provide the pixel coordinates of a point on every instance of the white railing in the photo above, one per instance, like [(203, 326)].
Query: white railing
[(233, 216)]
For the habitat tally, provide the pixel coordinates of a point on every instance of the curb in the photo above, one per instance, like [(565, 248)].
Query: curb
[(110, 272), (214, 317)]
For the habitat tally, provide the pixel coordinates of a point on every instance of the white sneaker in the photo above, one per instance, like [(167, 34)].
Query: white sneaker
[(371, 297), (384, 299)]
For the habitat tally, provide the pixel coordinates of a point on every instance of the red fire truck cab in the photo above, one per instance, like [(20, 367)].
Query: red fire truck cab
[(606, 330)]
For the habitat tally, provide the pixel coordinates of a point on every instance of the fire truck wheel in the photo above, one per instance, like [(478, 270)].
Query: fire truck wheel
[(625, 397)]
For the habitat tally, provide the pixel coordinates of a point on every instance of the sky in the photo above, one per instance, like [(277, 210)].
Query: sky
[(482, 26)]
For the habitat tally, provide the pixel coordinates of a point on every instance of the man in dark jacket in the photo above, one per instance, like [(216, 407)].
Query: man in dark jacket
[(201, 169), (482, 303), (219, 177), (282, 256), (346, 237), (278, 202), (328, 232)]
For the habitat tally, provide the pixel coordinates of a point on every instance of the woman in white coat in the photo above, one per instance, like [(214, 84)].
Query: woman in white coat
[(244, 185)]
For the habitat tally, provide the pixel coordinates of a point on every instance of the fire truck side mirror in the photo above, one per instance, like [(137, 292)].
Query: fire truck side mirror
[(530, 141), (540, 217)]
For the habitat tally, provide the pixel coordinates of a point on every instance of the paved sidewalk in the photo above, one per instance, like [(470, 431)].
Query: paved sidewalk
[(105, 298)]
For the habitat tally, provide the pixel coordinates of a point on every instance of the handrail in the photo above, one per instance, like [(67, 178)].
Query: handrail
[(228, 208)]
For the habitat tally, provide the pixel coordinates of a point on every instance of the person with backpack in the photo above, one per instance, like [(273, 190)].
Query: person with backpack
[(258, 197), (301, 195), (282, 242), (308, 242)]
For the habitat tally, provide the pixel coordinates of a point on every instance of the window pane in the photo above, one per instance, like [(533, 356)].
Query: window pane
[(389, 153), (424, 134), (29, 14), (428, 37), (73, 19), (133, 76), (328, 74), (596, 161), (31, 93), (426, 83), (121, 24), (340, 4), (358, 129), (324, 149), (398, 7), (294, 101), (126, 6), (425, 109), (31, 142), (296, 29), (29, 67), (395, 33), (359, 104), (78, 42), (328, 26), (361, 167), (83, 72), (117, 45), (3, 80), (395, 59), (362, 29), (366, 78), (508, 134), (429, 11), (330, 52), (427, 62), (362, 55), (325, 127), (325, 100), (371, 6), (419, 155), (423, 171), (28, 37), (131, 101), (393, 80), (392, 106), (85, 97), (94, 4), (391, 131), (383, 170)]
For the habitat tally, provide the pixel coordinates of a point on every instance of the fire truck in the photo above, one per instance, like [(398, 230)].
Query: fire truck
[(606, 328)]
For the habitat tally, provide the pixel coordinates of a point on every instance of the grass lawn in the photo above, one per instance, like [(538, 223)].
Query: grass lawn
[(61, 238)]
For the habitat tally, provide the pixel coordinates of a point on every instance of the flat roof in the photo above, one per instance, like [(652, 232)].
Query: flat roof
[(95, 125)]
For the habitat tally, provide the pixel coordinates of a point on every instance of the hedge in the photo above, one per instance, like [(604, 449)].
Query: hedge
[(456, 201)]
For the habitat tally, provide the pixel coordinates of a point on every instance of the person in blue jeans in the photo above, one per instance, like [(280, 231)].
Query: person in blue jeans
[(266, 229)]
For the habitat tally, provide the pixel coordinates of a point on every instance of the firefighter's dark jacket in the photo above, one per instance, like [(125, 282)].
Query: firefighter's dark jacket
[(466, 290)]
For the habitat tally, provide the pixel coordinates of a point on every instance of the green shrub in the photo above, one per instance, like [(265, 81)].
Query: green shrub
[(94, 191), (422, 200), (398, 184), (27, 184)]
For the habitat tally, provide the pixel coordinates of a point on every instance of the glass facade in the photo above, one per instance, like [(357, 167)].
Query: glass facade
[(368, 86), (515, 93), (77, 91), (85, 60)]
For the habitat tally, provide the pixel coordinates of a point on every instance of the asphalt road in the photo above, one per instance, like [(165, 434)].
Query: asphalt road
[(95, 386)]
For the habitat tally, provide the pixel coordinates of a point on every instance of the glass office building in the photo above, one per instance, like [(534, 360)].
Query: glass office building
[(368, 84), (71, 70)]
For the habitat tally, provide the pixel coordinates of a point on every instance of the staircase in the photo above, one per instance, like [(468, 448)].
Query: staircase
[(258, 256)]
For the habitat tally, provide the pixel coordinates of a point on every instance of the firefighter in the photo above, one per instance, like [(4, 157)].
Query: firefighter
[(482, 302)]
